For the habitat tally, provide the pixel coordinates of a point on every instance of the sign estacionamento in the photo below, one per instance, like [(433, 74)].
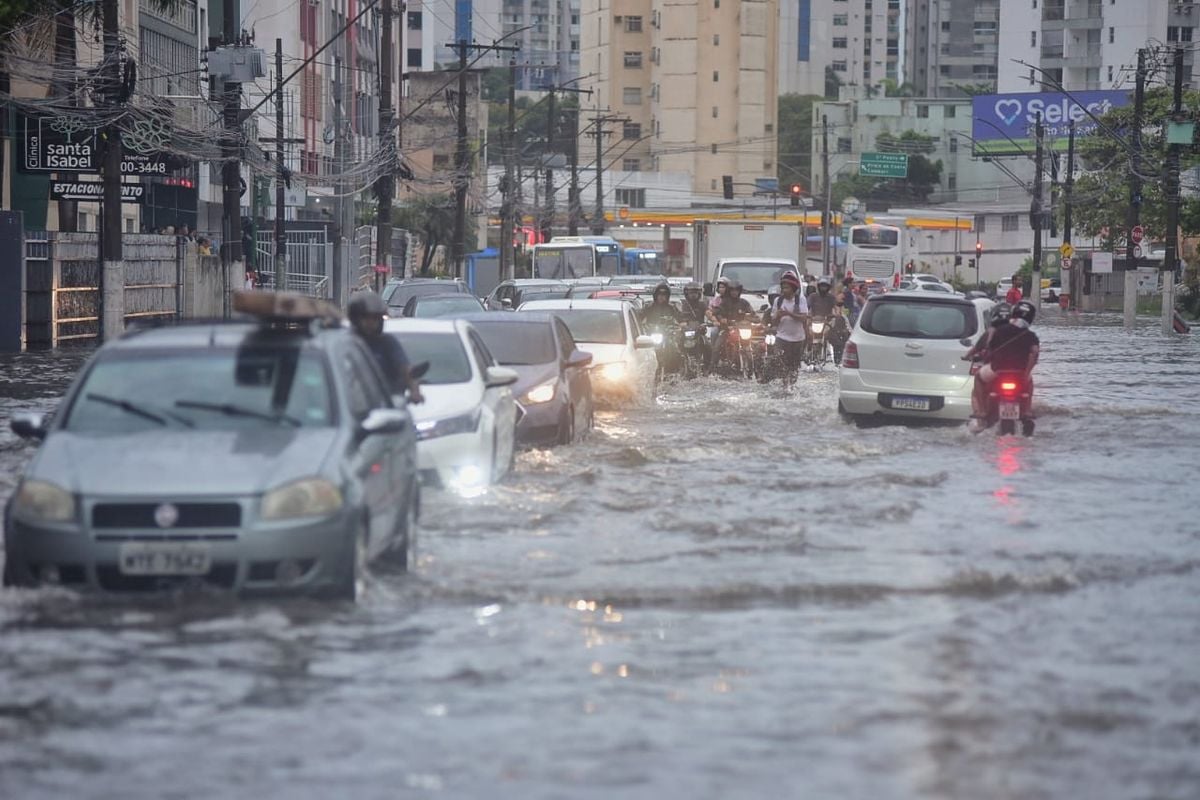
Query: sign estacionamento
[(56, 144), (1003, 124), (93, 191)]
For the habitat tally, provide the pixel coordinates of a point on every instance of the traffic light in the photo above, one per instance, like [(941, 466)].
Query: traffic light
[(795, 195), (727, 185), (978, 249)]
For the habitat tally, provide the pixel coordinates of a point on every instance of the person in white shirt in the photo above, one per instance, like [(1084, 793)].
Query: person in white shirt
[(790, 316)]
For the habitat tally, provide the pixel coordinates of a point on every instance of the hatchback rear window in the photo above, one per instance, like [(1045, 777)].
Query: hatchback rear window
[(916, 319)]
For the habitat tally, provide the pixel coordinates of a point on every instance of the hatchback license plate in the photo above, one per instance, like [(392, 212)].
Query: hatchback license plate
[(911, 403), (1010, 411), (154, 558)]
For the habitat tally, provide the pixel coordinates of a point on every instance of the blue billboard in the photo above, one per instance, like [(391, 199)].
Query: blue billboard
[(1003, 124)]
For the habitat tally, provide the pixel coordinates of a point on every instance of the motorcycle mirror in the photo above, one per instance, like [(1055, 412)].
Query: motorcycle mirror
[(708, 289)]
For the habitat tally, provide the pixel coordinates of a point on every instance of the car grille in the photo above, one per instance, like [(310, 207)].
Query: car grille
[(191, 515)]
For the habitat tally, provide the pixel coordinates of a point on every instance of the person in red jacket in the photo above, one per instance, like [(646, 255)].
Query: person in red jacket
[(1014, 295)]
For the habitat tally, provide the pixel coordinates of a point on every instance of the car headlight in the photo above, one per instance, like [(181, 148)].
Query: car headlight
[(614, 372), (44, 502), (745, 333), (308, 497), (448, 426), (540, 394)]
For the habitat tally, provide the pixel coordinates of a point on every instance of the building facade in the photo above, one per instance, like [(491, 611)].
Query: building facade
[(548, 33), (1088, 44), (952, 46), (852, 42)]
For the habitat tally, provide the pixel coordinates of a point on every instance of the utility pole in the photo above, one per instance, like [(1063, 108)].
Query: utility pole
[(342, 231), (600, 132), (231, 173), (1171, 189), (573, 194), (280, 198), (1072, 284), (507, 256), (385, 187), (1135, 189), (111, 314), (1035, 286), (825, 221), (548, 207)]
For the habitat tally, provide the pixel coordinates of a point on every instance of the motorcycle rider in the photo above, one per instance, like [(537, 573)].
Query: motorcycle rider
[(695, 315), (1013, 347), (789, 315), (366, 311), (730, 311), (977, 355), (664, 317), (721, 288), (823, 302)]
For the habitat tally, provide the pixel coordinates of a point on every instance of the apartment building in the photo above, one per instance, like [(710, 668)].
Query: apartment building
[(952, 46), (856, 41), (1088, 44), (547, 32), (690, 88)]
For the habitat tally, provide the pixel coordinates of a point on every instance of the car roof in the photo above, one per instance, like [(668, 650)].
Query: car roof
[(923, 296), (398, 281), (509, 317), (218, 333), (422, 325), (536, 282), (581, 303), (421, 298)]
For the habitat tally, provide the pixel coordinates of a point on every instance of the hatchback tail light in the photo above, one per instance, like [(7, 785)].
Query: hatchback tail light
[(850, 356)]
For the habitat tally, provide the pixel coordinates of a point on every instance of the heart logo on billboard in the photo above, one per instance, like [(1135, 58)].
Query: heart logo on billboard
[(1008, 110)]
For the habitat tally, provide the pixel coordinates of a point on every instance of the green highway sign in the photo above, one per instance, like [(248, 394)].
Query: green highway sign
[(884, 165)]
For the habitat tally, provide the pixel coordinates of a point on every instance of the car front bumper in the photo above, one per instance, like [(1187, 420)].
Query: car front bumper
[(302, 556), (456, 462), (541, 424), (860, 398)]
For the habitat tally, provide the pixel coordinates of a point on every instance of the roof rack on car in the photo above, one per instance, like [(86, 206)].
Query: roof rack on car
[(287, 309)]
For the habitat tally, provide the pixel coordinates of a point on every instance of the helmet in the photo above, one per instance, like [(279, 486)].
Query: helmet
[(365, 304), (1023, 312), (1000, 313), (693, 287), (723, 281), (790, 277), (824, 280), (735, 286), (663, 288)]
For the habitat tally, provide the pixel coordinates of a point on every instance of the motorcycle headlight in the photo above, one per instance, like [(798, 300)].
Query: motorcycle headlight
[(448, 426), (540, 394), (657, 338), (43, 502), (770, 337), (745, 333), (308, 497), (614, 372), (818, 327)]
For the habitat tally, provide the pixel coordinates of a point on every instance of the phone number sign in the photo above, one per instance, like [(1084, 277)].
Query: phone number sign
[(50, 145)]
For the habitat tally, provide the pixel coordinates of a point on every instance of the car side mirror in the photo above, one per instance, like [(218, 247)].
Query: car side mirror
[(578, 359), (708, 289), (506, 303), (418, 371), (383, 420), (496, 377), (643, 343), (29, 425)]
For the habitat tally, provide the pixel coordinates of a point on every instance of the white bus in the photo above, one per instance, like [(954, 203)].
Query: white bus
[(566, 257), (876, 251)]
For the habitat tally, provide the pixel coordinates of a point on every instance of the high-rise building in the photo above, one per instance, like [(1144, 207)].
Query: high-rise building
[(1087, 44), (695, 86), (847, 42), (952, 46), (547, 32)]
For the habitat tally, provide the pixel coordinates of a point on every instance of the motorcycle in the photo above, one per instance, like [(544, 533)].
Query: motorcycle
[(839, 334), (818, 353), (694, 347), (739, 344), (1010, 400), (666, 348)]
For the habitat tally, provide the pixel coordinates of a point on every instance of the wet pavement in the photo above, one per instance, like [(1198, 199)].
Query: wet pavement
[(729, 593)]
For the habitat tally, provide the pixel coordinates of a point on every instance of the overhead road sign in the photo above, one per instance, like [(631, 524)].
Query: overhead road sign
[(883, 165)]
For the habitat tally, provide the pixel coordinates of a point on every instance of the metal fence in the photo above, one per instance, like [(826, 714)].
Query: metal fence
[(309, 261)]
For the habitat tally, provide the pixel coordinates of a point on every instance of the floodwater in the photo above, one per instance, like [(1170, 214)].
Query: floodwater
[(727, 594)]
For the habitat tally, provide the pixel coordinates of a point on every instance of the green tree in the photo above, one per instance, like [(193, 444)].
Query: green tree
[(924, 174), (893, 89), (1101, 198), (795, 130), (431, 218), (532, 118)]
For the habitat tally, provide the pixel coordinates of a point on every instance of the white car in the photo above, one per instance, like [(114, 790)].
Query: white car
[(623, 359), (904, 357), (466, 428)]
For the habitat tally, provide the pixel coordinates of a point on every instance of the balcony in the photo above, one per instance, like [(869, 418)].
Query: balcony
[(1053, 12), (1083, 55), (1052, 50)]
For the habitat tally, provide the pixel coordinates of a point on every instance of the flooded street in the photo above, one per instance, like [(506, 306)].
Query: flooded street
[(728, 594)]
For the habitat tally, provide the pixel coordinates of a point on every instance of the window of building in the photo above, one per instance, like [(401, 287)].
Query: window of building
[(714, 148), (985, 27), (1031, 79), (414, 57), (716, 3), (574, 19), (923, 112), (716, 39), (1010, 223), (632, 198), (945, 27), (953, 144), (1112, 35), (844, 144), (632, 130), (1033, 38), (716, 76), (985, 72), (633, 59), (944, 70), (632, 165), (633, 24), (1035, 3), (838, 66), (981, 224), (414, 20), (1110, 73), (950, 111), (631, 95), (1185, 34), (841, 20), (952, 182), (713, 185), (839, 43), (769, 128), (716, 113), (944, 48), (1172, 33)]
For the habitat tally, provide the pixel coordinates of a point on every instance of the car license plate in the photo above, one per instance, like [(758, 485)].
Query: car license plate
[(163, 558), (1010, 411), (910, 403)]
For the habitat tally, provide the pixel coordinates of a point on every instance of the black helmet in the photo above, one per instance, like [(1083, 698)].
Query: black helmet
[(1024, 311), (662, 288), (1000, 313), (365, 304)]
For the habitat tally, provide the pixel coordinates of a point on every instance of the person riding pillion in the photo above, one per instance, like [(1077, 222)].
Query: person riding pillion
[(367, 311)]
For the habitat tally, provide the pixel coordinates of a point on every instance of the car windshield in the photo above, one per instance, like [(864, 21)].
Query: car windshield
[(397, 294), (550, 293), (444, 351), (917, 319), (593, 325), (755, 278), (445, 306), (518, 343), (209, 389)]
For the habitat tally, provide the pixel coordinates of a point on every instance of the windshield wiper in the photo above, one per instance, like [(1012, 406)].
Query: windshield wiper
[(231, 410), (127, 406)]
